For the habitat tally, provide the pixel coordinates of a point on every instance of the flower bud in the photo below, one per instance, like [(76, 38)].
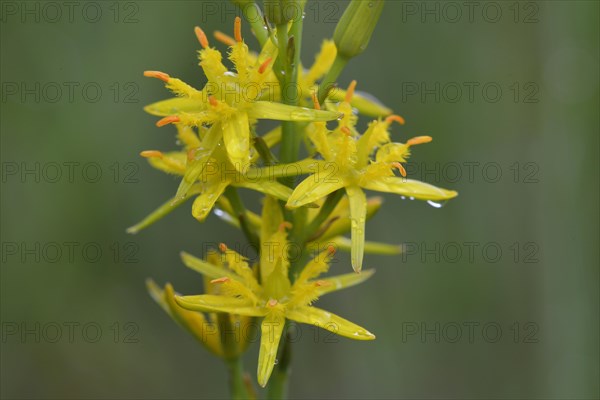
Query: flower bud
[(354, 30)]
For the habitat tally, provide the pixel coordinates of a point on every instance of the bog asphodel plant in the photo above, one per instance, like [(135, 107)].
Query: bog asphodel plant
[(309, 204)]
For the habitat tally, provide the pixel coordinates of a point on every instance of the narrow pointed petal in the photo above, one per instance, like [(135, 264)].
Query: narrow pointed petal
[(216, 303), (175, 106), (339, 282), (343, 243), (409, 188), (272, 188), (358, 218), (365, 103), (201, 157), (236, 136), (271, 330), (207, 269), (163, 210), (205, 202), (284, 112), (313, 188), (331, 322), (171, 163)]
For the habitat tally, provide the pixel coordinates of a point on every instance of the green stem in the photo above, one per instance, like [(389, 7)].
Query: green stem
[(324, 212), (240, 212), (329, 80), (236, 379)]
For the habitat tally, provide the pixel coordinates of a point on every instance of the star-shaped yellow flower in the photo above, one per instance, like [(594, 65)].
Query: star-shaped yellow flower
[(350, 166), (230, 103), (274, 298)]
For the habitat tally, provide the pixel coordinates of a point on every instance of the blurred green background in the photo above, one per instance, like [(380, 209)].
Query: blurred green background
[(527, 317)]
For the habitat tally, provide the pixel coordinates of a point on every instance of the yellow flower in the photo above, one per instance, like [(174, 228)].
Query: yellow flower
[(230, 103), (307, 80), (275, 298), (206, 328), (215, 176), (350, 166)]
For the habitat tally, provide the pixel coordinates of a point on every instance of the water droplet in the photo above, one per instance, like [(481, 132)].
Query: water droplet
[(412, 198), (276, 361), (403, 197), (436, 204)]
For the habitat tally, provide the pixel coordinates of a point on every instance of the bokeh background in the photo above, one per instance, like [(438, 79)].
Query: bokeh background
[(521, 148)]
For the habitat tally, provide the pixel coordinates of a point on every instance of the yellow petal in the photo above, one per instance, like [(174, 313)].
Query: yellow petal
[(171, 163), (410, 188), (314, 187), (211, 191), (323, 62), (284, 112), (207, 269), (236, 136), (358, 217), (223, 304), (163, 210), (365, 103), (272, 188), (339, 282), (343, 243), (175, 106), (331, 322), (271, 330), (194, 322)]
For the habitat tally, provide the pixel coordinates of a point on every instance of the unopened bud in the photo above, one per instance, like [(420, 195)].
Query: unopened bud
[(354, 30)]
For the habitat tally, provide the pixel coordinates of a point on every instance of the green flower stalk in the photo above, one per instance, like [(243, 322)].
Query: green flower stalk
[(316, 205)]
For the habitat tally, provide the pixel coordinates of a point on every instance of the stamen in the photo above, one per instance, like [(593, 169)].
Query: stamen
[(350, 92), (157, 74), (395, 118), (237, 29), (316, 101), (400, 168), (223, 38), (213, 101), (331, 250), (419, 140), (152, 154), (220, 280), (272, 303), (346, 130), (264, 65), (191, 154), (171, 119), (320, 283), (201, 37), (223, 247), (285, 225)]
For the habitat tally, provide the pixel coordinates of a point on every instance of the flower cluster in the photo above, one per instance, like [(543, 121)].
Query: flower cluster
[(222, 149)]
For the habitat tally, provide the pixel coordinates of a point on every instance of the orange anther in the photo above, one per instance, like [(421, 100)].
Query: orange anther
[(220, 280), (237, 29), (285, 225), (395, 118), (419, 140), (191, 154), (272, 303), (400, 168), (264, 65), (346, 130), (223, 247), (350, 92), (213, 101), (201, 37), (320, 283), (171, 119), (223, 38), (316, 101), (331, 250), (151, 154), (157, 74)]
